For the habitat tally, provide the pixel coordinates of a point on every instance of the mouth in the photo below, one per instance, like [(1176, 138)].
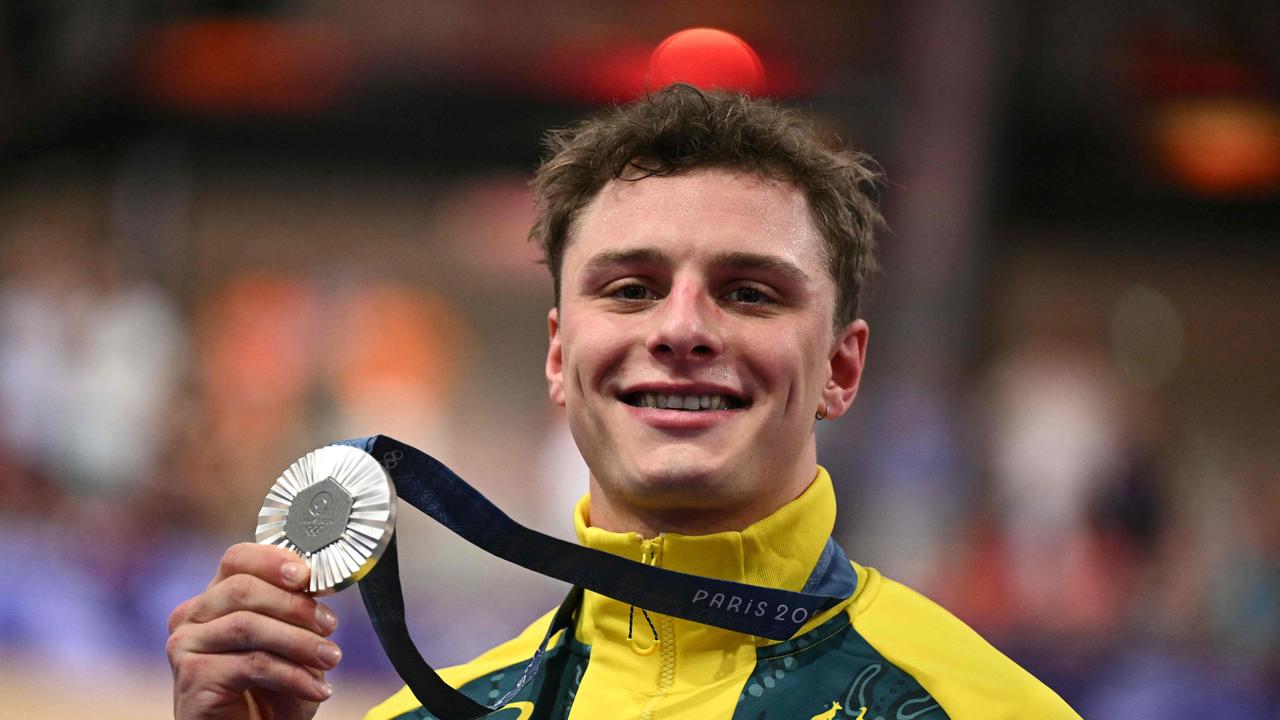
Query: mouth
[(684, 402)]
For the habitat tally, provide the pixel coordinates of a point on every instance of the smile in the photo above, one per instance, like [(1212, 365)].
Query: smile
[(691, 403)]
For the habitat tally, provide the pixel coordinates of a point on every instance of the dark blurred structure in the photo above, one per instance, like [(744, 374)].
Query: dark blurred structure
[(232, 231)]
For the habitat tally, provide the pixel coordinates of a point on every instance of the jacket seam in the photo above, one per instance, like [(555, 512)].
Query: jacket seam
[(807, 648)]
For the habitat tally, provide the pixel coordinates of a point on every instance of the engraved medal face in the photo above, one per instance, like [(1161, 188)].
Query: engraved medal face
[(318, 515), (336, 507)]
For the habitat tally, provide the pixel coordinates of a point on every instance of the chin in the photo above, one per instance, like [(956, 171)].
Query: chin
[(684, 482)]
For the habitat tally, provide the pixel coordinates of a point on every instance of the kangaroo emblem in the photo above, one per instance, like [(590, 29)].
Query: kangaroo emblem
[(835, 708)]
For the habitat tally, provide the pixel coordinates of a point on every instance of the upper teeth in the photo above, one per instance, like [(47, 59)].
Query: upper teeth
[(684, 402)]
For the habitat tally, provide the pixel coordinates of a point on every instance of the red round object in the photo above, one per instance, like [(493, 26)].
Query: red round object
[(708, 58)]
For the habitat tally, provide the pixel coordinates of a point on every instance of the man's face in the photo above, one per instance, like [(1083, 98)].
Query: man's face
[(693, 346)]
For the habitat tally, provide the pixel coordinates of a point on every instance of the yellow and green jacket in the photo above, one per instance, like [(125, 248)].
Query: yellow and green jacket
[(887, 652)]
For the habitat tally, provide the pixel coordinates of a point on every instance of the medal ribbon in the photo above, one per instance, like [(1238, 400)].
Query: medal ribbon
[(428, 485)]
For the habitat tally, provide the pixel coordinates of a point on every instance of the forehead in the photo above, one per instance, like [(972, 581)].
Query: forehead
[(706, 208)]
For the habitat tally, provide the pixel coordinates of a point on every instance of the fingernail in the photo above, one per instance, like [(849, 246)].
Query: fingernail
[(292, 571), (325, 618), (325, 688), (328, 653)]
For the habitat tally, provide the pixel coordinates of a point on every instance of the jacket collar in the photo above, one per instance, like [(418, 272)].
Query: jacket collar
[(779, 550)]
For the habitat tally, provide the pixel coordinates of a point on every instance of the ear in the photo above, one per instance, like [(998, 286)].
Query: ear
[(555, 359), (847, 357)]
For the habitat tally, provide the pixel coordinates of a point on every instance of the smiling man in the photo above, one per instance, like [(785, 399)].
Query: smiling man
[(709, 253), (694, 342)]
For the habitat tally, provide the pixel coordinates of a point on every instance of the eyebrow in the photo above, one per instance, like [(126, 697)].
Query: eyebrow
[(638, 256), (723, 260), (770, 264)]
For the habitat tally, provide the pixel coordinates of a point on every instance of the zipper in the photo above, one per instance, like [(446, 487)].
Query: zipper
[(650, 552)]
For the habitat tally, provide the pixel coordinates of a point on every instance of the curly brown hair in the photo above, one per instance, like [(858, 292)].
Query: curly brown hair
[(681, 127)]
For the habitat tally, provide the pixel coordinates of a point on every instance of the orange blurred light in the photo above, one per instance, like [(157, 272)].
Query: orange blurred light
[(1220, 147), (397, 338), (255, 358), (245, 66)]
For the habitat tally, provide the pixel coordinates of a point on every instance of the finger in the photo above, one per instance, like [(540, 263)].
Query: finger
[(247, 592), (220, 678), (246, 631), (181, 613), (276, 565)]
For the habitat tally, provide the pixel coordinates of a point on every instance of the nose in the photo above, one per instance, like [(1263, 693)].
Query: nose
[(686, 326)]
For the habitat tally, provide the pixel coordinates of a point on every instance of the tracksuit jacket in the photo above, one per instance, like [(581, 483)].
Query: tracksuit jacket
[(885, 653)]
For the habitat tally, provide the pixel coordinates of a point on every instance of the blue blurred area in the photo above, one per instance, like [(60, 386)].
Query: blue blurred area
[(232, 232)]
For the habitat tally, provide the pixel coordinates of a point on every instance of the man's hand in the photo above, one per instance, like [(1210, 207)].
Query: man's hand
[(253, 638)]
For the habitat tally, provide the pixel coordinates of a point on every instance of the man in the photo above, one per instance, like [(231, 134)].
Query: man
[(709, 253)]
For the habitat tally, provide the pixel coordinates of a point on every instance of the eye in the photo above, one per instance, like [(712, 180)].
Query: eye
[(634, 291), (748, 295)]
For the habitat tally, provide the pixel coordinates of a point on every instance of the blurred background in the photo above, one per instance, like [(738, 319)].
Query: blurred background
[(233, 231)]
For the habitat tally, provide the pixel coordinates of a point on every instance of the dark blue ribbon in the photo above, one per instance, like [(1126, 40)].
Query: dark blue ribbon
[(428, 485)]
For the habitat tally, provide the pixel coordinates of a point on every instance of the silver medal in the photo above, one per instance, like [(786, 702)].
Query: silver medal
[(336, 507)]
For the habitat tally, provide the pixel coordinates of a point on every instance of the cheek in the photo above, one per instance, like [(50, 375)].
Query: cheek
[(793, 369), (781, 358), (591, 351)]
